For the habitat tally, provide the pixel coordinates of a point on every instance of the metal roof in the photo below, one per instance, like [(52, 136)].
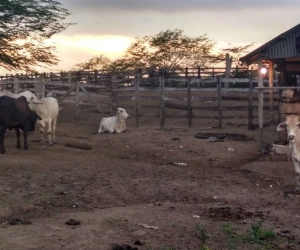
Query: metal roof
[(281, 46)]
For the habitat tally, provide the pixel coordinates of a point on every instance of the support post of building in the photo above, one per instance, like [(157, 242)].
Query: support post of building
[(260, 105), (271, 85)]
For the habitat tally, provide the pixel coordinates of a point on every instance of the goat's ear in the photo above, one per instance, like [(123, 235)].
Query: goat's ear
[(282, 126)]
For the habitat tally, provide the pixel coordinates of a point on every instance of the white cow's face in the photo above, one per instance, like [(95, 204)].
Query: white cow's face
[(291, 124), (122, 113)]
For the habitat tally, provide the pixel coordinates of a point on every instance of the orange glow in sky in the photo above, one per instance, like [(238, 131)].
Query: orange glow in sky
[(74, 49)]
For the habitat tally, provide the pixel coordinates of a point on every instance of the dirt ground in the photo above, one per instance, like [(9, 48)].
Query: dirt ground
[(128, 181)]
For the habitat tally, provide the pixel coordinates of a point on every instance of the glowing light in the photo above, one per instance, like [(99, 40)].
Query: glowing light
[(263, 71)]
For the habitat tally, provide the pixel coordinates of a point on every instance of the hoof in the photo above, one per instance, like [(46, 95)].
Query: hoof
[(51, 143), (18, 146), (41, 142), (3, 151)]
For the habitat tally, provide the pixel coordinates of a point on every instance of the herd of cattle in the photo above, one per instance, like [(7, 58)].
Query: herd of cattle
[(23, 110)]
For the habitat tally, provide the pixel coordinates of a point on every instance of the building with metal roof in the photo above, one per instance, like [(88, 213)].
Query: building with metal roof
[(281, 54)]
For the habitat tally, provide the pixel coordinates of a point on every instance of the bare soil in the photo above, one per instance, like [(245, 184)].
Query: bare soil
[(103, 190)]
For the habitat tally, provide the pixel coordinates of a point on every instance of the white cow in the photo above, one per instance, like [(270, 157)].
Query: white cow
[(292, 124), (28, 95), (48, 111), (115, 124)]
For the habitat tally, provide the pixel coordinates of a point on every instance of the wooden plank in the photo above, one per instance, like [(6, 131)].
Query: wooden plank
[(206, 117), (90, 99), (67, 93), (94, 86), (60, 84), (225, 80), (265, 124)]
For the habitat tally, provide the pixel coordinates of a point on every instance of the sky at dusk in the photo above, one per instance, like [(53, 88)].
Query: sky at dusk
[(109, 26)]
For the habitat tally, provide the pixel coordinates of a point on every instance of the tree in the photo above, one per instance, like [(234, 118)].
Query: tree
[(24, 27), (96, 63), (171, 49)]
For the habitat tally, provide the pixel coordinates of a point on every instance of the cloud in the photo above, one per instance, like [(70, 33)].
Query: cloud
[(177, 5)]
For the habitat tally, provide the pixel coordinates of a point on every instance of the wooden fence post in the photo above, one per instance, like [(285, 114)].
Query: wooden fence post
[(77, 100), (16, 84), (43, 87), (114, 94), (219, 90), (162, 101), (250, 104), (137, 100), (189, 102), (70, 77)]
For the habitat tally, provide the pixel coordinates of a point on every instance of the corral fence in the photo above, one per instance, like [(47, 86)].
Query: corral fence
[(201, 93)]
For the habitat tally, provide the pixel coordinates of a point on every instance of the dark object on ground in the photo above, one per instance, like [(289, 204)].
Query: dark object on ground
[(78, 145), (73, 222), (138, 243), (16, 221), (209, 135), (228, 136), (123, 247)]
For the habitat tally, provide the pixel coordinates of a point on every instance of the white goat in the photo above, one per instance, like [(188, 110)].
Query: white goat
[(280, 150), (48, 111), (292, 124), (27, 94), (114, 124)]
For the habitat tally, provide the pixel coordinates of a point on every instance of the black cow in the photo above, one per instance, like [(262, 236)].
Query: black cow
[(15, 113)]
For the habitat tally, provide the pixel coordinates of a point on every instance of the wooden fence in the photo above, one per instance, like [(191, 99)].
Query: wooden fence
[(113, 86)]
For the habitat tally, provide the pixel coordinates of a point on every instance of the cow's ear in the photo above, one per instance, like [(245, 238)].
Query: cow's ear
[(282, 126)]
